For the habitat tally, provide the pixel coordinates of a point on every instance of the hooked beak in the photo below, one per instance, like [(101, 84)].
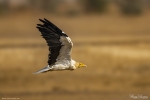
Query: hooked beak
[(83, 65)]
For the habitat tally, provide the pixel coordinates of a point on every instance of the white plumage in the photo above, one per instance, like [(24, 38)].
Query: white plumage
[(60, 46)]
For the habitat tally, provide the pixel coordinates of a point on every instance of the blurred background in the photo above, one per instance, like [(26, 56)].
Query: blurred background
[(112, 37)]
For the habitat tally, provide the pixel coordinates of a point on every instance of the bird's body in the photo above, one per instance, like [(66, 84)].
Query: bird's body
[(60, 46)]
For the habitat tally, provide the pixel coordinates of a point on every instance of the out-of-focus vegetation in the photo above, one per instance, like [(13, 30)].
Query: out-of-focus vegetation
[(127, 7), (115, 47), (131, 7), (97, 6)]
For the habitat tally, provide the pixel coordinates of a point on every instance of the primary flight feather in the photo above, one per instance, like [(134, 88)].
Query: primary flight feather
[(60, 46)]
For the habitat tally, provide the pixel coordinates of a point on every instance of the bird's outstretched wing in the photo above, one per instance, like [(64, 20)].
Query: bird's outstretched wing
[(59, 43)]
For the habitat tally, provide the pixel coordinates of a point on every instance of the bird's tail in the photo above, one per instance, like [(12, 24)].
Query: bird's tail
[(45, 69)]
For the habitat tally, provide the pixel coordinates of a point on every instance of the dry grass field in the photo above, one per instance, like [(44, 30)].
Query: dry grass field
[(116, 50)]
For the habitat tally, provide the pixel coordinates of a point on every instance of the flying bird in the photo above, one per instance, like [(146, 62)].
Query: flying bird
[(60, 46)]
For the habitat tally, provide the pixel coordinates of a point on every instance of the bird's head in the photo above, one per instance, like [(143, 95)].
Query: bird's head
[(79, 65)]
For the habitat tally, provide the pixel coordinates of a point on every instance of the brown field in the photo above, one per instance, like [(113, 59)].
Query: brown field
[(116, 50)]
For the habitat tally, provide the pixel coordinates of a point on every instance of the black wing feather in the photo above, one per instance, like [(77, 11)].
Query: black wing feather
[(51, 34)]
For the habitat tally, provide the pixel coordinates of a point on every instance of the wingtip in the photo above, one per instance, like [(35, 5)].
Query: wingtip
[(46, 20), (42, 20), (38, 27)]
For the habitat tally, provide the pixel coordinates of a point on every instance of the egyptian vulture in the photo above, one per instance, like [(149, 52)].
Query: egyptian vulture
[(60, 46)]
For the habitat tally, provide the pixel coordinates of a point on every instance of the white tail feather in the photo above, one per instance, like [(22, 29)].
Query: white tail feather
[(45, 69)]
